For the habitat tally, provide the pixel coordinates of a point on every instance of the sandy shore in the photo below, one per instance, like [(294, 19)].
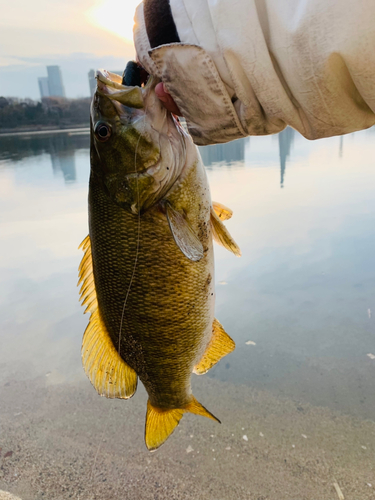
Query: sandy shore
[(63, 441), (4, 495)]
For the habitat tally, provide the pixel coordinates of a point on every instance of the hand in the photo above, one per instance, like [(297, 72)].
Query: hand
[(167, 100)]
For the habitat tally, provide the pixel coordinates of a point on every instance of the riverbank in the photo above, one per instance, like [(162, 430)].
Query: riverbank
[(83, 128)]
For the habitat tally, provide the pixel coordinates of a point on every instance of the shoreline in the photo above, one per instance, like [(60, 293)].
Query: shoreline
[(71, 130), (63, 441)]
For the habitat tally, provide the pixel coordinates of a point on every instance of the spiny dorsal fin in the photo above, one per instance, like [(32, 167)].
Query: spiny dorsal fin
[(223, 212), (160, 422), (221, 235), (220, 345), (183, 234), (107, 371), (85, 243)]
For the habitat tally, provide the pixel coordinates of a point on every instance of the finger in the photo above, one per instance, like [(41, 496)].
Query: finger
[(167, 99)]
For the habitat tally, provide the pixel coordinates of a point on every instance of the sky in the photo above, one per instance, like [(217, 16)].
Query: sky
[(77, 35)]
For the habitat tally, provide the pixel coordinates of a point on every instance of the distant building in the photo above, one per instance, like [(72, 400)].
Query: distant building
[(51, 85), (43, 86), (55, 83), (92, 81)]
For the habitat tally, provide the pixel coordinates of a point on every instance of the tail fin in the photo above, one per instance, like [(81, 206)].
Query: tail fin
[(160, 423), (198, 409)]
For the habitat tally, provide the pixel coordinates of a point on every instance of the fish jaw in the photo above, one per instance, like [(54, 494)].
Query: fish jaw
[(139, 147)]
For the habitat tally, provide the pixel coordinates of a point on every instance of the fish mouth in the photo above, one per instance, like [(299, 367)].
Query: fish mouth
[(110, 85), (113, 86), (129, 102)]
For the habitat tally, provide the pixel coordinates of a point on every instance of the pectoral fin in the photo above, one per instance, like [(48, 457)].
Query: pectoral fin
[(223, 212), (107, 371), (160, 422), (220, 345), (221, 235), (183, 234)]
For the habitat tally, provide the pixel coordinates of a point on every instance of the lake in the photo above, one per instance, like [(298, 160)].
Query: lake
[(297, 396)]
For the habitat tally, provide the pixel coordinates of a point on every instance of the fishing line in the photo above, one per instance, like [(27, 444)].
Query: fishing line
[(138, 236)]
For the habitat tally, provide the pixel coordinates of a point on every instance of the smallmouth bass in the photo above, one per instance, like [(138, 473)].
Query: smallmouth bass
[(147, 274)]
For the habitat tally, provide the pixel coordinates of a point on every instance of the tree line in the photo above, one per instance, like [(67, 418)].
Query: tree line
[(56, 112)]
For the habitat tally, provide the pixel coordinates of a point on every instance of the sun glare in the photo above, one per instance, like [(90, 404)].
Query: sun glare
[(116, 16)]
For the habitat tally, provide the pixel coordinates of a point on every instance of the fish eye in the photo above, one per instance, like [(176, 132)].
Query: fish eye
[(103, 131)]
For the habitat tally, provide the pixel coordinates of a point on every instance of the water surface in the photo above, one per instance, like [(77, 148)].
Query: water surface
[(300, 304)]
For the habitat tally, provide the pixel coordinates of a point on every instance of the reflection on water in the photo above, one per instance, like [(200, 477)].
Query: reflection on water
[(60, 147), (285, 143), (63, 161), (15, 148), (224, 153), (299, 304), (234, 152)]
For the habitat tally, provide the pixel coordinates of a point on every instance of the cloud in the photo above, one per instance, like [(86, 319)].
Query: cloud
[(18, 42)]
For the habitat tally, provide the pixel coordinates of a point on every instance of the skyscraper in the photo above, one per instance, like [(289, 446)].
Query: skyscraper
[(92, 81), (43, 86), (55, 83)]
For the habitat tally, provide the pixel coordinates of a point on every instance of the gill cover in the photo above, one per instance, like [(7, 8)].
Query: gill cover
[(137, 150)]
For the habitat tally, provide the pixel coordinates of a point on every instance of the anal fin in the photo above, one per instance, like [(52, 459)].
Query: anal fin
[(161, 422), (107, 371), (221, 235), (220, 345)]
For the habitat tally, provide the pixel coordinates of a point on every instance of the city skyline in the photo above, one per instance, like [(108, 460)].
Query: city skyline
[(52, 85), (76, 38)]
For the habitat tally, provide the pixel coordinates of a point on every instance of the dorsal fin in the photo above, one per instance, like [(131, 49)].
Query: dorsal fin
[(107, 371), (221, 235), (220, 345), (223, 212)]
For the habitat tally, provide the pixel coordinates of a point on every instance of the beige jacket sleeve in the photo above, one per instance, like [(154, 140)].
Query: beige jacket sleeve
[(251, 67)]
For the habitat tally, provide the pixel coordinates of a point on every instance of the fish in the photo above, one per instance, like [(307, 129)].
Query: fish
[(147, 273)]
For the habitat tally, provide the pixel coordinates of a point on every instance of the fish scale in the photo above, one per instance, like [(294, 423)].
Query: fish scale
[(150, 313)]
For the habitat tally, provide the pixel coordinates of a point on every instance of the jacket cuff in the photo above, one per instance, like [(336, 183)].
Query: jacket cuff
[(193, 81)]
